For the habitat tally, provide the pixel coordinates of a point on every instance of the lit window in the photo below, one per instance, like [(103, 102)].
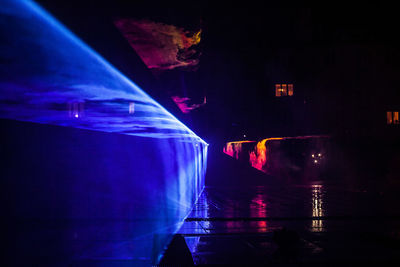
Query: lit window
[(389, 117), (392, 117), (396, 117), (278, 89), (131, 107), (76, 109), (283, 89), (290, 89)]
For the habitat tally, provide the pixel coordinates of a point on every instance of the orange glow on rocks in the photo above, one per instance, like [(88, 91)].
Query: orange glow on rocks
[(184, 105), (258, 158), (161, 46), (233, 149), (259, 155), (290, 89)]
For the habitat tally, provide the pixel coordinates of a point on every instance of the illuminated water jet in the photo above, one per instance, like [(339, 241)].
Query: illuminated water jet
[(124, 186)]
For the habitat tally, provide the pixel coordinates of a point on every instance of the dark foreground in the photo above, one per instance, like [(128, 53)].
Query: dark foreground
[(252, 219)]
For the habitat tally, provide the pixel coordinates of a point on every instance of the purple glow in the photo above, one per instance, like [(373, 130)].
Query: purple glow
[(120, 176)]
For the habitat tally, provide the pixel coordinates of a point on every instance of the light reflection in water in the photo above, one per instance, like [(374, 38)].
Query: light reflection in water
[(205, 214), (317, 208), (231, 211), (258, 209), (201, 210)]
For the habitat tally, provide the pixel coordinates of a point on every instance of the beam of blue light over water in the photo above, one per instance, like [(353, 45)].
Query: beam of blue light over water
[(47, 71), (145, 180)]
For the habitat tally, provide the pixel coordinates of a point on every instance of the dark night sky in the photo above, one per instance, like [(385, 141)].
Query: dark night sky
[(244, 50)]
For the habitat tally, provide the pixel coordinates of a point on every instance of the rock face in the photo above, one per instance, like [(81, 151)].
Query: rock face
[(161, 46)]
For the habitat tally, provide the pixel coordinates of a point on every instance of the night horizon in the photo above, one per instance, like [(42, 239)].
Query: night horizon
[(175, 134)]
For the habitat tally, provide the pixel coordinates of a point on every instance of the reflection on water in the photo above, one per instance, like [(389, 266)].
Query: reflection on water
[(299, 208), (231, 210), (317, 208), (263, 209), (258, 209)]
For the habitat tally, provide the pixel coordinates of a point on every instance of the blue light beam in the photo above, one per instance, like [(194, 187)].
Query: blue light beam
[(123, 195), (50, 76)]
